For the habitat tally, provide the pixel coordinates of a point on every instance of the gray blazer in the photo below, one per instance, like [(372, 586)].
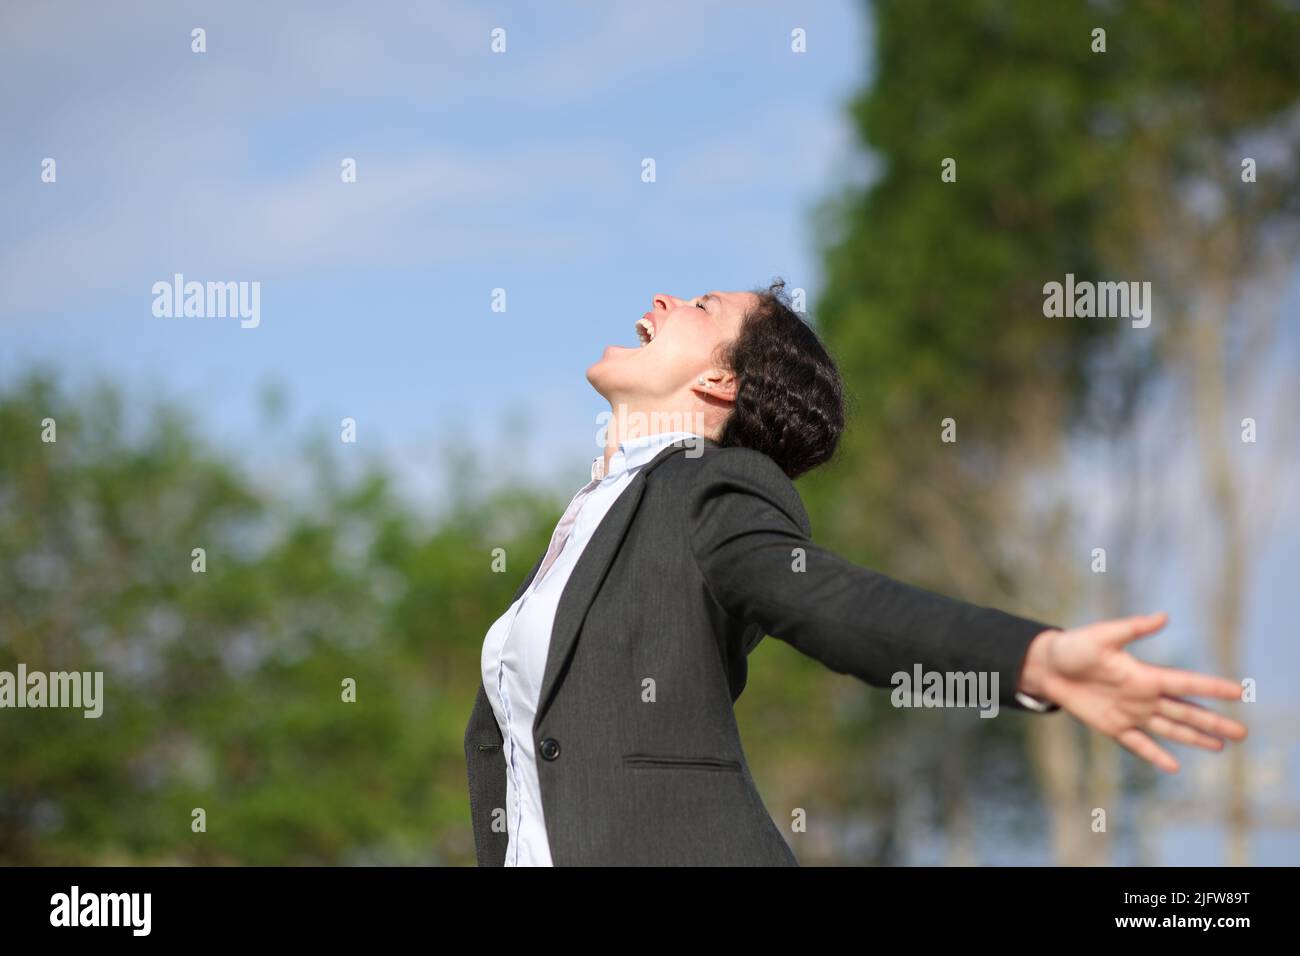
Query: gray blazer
[(639, 757)]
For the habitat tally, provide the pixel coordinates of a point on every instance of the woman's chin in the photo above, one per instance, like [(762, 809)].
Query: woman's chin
[(612, 353), (602, 374)]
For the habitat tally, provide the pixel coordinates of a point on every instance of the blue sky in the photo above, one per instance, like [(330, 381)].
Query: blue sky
[(476, 171)]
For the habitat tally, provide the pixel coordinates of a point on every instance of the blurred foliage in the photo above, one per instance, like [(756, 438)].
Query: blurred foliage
[(932, 298), (224, 688), (933, 293)]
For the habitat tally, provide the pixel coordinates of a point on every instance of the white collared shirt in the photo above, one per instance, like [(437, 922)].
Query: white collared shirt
[(515, 649)]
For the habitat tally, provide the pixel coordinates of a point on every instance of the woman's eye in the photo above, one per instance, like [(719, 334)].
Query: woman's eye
[(700, 305)]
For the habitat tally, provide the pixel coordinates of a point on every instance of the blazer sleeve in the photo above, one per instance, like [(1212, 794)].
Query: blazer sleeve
[(746, 521)]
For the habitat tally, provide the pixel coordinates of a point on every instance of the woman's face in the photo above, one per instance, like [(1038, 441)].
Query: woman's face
[(679, 341)]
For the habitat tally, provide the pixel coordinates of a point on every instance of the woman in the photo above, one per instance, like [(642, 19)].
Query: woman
[(603, 731)]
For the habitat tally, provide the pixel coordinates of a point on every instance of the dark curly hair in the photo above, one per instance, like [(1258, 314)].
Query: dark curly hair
[(789, 396)]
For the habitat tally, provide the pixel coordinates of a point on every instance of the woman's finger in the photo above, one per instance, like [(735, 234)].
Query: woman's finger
[(1175, 683), (1148, 749), (1182, 733), (1125, 630), (1202, 718)]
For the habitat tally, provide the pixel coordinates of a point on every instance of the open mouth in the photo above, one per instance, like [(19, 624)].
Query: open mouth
[(645, 331)]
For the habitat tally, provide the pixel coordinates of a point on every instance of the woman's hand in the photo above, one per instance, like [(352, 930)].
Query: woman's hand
[(1088, 672)]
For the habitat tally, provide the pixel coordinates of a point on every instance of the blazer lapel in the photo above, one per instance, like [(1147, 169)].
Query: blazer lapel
[(589, 572)]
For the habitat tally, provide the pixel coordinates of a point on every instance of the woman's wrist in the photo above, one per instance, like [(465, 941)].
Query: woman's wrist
[(1035, 674)]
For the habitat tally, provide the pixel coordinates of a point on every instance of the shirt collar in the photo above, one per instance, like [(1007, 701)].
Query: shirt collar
[(635, 452)]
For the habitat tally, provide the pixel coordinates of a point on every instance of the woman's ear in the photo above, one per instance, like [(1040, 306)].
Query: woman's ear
[(716, 384)]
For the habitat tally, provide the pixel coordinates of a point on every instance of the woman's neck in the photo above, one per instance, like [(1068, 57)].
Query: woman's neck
[(627, 421)]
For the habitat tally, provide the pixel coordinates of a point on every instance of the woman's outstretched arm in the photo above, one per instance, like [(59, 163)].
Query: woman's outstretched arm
[(750, 539)]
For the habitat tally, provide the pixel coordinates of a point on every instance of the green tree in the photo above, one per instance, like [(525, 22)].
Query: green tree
[(224, 689), (1058, 156)]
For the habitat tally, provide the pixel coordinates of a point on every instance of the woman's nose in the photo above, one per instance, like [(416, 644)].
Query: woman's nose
[(665, 302)]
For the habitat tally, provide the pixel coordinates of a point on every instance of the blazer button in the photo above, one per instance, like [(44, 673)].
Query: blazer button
[(550, 748)]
